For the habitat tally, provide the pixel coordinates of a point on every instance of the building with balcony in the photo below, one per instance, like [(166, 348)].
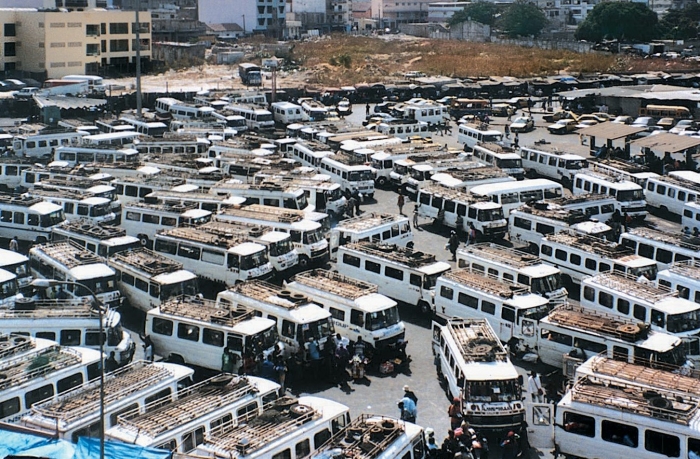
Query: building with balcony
[(51, 43), (172, 20)]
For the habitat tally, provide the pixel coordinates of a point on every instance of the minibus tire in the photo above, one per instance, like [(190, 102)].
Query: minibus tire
[(143, 240), (381, 182), (304, 262), (424, 307)]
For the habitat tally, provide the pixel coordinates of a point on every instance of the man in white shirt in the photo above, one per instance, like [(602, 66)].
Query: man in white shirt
[(535, 387)]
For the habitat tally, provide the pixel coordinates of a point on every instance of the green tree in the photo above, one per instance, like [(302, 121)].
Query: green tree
[(620, 20), (680, 24), (480, 11), (523, 19)]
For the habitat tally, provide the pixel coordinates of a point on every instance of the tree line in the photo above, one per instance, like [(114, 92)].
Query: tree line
[(628, 21)]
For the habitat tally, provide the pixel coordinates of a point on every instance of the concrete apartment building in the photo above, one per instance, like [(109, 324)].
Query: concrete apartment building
[(254, 16), (51, 43)]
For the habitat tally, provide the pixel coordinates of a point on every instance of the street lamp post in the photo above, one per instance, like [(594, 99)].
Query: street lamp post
[(46, 283)]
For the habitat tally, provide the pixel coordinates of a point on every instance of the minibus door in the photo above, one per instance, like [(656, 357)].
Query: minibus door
[(539, 418)]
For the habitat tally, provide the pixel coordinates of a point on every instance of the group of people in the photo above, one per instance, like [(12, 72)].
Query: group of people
[(327, 362), (354, 200)]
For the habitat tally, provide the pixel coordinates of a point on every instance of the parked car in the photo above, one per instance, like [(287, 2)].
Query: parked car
[(582, 124), (684, 125), (15, 84), (518, 102), (559, 115), (623, 119), (644, 121), (25, 93), (602, 116), (522, 124), (592, 116), (665, 123), (563, 126)]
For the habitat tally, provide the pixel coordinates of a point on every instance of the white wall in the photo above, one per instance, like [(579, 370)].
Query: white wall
[(228, 11), (309, 6)]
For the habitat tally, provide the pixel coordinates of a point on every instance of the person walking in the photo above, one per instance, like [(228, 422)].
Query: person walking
[(407, 392), (14, 244), (516, 140), (535, 387), (400, 202), (415, 215), (227, 361), (351, 207), (453, 245), (507, 131), (471, 234), (358, 199), (147, 344), (367, 110), (408, 409)]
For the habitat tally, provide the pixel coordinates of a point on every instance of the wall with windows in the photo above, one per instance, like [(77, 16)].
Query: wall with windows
[(78, 42)]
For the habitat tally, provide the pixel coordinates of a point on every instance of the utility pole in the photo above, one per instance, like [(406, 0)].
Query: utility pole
[(139, 102)]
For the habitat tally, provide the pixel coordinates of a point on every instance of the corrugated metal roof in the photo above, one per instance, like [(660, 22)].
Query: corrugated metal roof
[(611, 131), (667, 142)]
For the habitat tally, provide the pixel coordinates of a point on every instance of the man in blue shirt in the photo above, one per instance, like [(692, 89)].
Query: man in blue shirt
[(408, 408)]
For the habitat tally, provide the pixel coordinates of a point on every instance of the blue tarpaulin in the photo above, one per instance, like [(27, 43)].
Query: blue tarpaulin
[(20, 444)]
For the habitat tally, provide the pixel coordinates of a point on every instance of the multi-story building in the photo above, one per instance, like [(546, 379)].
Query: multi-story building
[(51, 43), (254, 15), (173, 20), (391, 13)]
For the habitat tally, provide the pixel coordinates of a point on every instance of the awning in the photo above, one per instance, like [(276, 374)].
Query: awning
[(667, 142), (611, 131)]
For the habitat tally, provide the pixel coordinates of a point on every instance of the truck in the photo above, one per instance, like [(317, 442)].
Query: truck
[(250, 74)]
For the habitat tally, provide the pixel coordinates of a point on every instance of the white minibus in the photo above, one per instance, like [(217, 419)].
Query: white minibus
[(662, 247), (70, 323), (683, 277), (28, 219), (476, 370), (670, 193), (76, 413), (462, 211), (287, 112), (621, 294), (629, 195), (194, 331), (181, 425), (373, 227), (502, 157), (17, 264), (299, 320), (74, 155), (552, 163), (400, 273), (512, 195), (358, 310), (580, 255), (147, 279), (104, 240), (144, 220), (350, 176), (472, 135), (223, 260), (513, 265), (40, 369)]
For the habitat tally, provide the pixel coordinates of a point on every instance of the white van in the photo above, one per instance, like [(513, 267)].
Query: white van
[(17, 264), (512, 195), (662, 247), (670, 193), (459, 210), (475, 368), (298, 319), (629, 195), (373, 227), (358, 310), (147, 279), (529, 224), (580, 255), (194, 331), (502, 157), (552, 163), (287, 113), (351, 177), (400, 273), (683, 277), (511, 309), (573, 328), (508, 264), (472, 135)]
